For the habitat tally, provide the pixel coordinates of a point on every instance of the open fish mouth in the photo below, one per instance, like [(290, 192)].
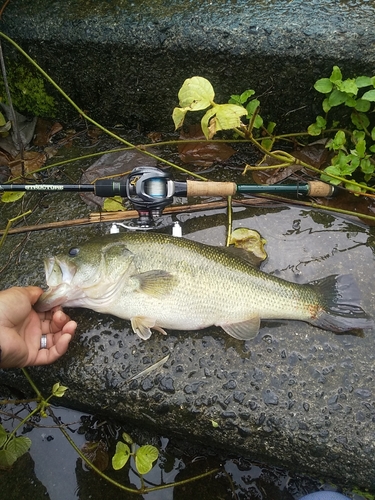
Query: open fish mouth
[(59, 276), (59, 271)]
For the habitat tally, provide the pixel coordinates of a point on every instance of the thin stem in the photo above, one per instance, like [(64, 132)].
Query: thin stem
[(88, 118)]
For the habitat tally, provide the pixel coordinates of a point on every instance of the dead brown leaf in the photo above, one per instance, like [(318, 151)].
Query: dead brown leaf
[(202, 154)]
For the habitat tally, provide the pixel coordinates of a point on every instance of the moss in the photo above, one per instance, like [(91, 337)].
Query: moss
[(28, 91)]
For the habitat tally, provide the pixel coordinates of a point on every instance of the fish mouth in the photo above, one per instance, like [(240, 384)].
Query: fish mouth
[(59, 277)]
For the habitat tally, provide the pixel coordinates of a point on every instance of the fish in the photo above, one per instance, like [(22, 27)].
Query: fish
[(163, 282)]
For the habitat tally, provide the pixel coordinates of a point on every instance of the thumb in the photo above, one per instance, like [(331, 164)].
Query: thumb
[(33, 293)]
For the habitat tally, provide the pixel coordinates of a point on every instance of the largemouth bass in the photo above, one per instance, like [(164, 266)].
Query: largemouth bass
[(158, 281)]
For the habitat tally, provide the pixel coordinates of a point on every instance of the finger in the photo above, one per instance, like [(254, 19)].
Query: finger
[(33, 293), (52, 354), (58, 321)]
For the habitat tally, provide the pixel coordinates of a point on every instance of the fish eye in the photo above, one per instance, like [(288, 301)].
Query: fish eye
[(73, 251)]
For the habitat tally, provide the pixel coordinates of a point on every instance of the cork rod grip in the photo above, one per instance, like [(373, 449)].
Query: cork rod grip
[(320, 189), (201, 188)]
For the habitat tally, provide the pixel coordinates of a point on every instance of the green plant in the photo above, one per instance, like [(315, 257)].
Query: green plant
[(353, 147), (144, 456), (28, 91), (12, 446)]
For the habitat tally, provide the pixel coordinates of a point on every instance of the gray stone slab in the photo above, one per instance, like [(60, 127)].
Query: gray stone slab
[(124, 62), (295, 396)]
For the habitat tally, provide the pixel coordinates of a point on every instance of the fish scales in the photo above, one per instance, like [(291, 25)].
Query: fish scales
[(159, 281)]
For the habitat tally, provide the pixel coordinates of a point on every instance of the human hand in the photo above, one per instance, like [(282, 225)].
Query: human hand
[(21, 329)]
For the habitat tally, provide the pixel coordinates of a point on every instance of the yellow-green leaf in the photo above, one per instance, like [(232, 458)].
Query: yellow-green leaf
[(113, 204), (144, 458), (19, 446), (12, 196), (196, 93), (228, 116), (121, 456), (7, 458), (178, 117), (59, 390)]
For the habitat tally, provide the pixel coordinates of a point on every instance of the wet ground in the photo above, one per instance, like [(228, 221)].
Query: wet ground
[(313, 244)]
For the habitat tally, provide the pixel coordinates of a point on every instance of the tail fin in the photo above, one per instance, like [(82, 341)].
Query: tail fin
[(341, 298)]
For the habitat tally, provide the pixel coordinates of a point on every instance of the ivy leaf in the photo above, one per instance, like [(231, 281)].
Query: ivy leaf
[(196, 93), (369, 95), (19, 446), (324, 85), (144, 458), (121, 456), (12, 196)]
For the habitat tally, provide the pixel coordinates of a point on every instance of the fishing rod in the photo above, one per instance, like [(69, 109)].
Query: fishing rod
[(150, 190)]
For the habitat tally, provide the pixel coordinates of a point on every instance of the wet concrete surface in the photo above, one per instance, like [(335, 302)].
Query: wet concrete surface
[(295, 396), (124, 62)]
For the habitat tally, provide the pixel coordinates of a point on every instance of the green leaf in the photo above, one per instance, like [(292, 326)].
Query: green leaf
[(144, 457), (336, 75), (121, 456), (321, 122), (196, 93), (246, 95), (339, 140), (221, 117), (362, 105), (58, 390), (113, 204), (363, 81), (360, 148), (336, 98), (7, 458), (369, 95), (228, 116), (235, 99), (215, 425), (326, 105), (331, 170), (324, 85), (373, 134), (178, 116), (12, 196), (3, 435), (348, 86), (314, 129), (19, 446), (271, 127), (127, 438), (252, 107), (360, 120), (366, 166), (205, 122), (350, 101)]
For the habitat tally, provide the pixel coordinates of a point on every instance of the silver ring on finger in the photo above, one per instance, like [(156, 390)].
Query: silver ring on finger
[(43, 341)]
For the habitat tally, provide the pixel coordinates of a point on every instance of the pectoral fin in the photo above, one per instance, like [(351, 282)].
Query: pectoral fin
[(142, 327), (156, 283), (245, 330)]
